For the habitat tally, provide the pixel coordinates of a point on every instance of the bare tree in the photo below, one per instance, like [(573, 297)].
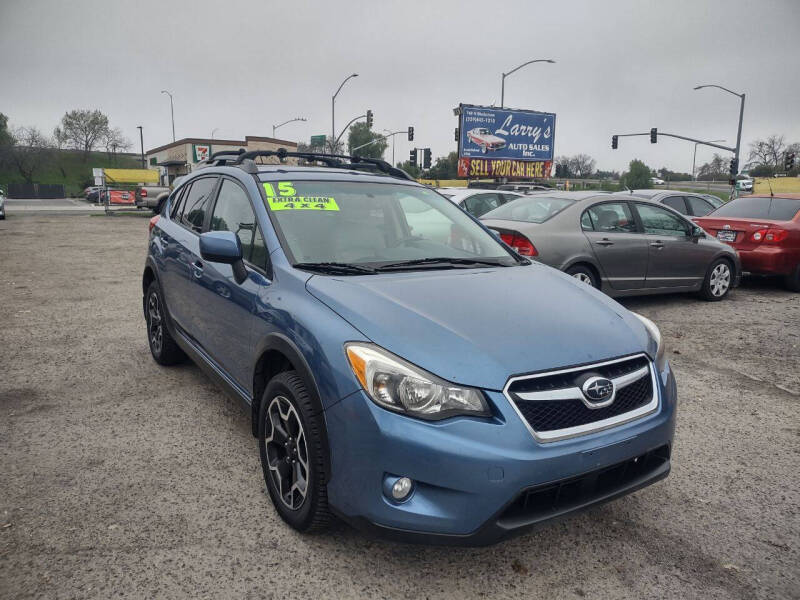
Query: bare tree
[(84, 129), (581, 165), (115, 141), (768, 152), (30, 150)]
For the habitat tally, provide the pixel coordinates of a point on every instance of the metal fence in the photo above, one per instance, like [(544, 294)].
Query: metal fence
[(25, 191)]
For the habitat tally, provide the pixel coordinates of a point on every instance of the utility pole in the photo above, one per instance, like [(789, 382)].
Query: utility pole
[(141, 141), (503, 80), (171, 112), (741, 118), (694, 159), (333, 107)]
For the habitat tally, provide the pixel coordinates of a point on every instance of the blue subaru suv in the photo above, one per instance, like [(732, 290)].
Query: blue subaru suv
[(405, 370)]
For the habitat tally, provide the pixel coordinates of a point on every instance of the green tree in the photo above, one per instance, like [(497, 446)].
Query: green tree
[(359, 135), (412, 170), (82, 129), (445, 167), (637, 177)]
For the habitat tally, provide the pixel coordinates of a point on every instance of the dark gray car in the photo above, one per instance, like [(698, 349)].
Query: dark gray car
[(620, 243), (686, 203)]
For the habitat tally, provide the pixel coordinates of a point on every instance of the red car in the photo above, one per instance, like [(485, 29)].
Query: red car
[(765, 230)]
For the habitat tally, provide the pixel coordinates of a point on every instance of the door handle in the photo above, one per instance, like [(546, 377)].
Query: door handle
[(658, 244), (197, 269), (605, 242)]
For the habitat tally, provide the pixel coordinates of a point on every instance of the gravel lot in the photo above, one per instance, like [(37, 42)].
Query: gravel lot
[(124, 479)]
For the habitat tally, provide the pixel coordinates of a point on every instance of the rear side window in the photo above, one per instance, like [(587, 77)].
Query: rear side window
[(479, 204), (699, 207), (196, 203), (677, 203), (586, 221), (748, 207), (177, 202), (233, 212), (612, 217)]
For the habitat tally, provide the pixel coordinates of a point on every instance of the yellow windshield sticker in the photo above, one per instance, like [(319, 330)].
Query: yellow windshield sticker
[(287, 198)]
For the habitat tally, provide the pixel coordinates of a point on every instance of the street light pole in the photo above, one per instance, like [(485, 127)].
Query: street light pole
[(333, 105), (503, 80), (213, 131), (694, 158), (741, 118), (274, 127), (141, 141), (171, 112)]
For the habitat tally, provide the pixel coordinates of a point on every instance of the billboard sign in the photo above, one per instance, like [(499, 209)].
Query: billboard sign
[(503, 140), (201, 152)]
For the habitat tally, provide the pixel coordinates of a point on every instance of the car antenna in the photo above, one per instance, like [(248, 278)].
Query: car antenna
[(771, 195)]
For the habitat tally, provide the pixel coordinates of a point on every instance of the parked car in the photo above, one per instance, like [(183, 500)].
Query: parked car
[(2, 205), (657, 181), (744, 184), (620, 243), (92, 193), (485, 139), (524, 188), (380, 387), (477, 202), (151, 196), (715, 201), (686, 203), (765, 230)]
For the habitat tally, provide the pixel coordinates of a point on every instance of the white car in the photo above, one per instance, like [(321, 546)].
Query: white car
[(744, 185), (485, 139), (475, 201), (656, 181)]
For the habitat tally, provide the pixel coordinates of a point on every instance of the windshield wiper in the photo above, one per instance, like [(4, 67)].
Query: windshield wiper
[(441, 261), (335, 268)]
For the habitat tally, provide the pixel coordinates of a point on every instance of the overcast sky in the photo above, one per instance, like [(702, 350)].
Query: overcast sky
[(243, 66)]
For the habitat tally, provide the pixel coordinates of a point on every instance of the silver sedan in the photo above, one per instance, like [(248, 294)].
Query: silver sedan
[(619, 243)]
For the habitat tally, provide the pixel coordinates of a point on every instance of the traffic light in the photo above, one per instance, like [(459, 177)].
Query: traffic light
[(456, 136), (734, 167), (412, 157), (788, 162), (613, 142), (369, 119), (654, 135), (426, 158), (410, 134)]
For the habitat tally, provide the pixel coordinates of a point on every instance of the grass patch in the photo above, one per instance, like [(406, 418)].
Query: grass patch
[(68, 168)]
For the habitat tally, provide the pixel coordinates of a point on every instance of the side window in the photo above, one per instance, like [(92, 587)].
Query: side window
[(479, 204), (699, 207), (612, 217), (586, 221), (233, 212), (677, 203), (657, 221), (177, 203), (196, 203), (509, 197)]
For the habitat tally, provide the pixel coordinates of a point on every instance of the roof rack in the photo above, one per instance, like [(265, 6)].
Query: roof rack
[(336, 161)]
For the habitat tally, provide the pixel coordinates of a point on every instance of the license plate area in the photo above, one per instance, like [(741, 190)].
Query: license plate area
[(726, 236)]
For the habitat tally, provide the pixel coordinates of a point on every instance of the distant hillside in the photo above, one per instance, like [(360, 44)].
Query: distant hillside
[(69, 168)]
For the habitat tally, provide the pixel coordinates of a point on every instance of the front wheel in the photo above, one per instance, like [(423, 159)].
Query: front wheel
[(718, 281), (293, 453)]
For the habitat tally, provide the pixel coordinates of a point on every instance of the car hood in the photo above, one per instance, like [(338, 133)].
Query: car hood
[(478, 327)]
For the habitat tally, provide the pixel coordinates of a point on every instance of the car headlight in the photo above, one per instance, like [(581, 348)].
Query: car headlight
[(658, 342), (398, 385)]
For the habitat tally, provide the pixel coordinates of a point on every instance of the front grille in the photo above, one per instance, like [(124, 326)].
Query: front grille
[(554, 407), (551, 499), (549, 415)]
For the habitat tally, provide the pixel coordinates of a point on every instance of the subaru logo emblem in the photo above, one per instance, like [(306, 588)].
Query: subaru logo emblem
[(598, 391)]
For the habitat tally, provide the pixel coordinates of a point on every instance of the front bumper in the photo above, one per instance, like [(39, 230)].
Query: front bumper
[(477, 481)]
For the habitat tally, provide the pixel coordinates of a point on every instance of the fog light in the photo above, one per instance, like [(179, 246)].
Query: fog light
[(401, 488)]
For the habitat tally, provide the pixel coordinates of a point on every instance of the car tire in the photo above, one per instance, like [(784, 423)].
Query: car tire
[(584, 274), (792, 280), (718, 281), (163, 347), (294, 453)]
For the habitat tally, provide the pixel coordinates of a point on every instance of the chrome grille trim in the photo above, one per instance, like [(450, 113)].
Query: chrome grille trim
[(574, 393)]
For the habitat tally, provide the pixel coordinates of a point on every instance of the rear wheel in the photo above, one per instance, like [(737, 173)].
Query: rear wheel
[(718, 281), (163, 347), (792, 280), (584, 274)]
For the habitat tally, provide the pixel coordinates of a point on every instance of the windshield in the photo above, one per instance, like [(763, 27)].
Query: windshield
[(531, 209), (375, 224), (749, 207)]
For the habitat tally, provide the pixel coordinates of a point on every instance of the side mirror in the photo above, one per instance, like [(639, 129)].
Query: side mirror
[(698, 232), (224, 247)]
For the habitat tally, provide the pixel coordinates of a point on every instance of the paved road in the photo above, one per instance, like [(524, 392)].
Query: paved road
[(122, 479), (56, 206)]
